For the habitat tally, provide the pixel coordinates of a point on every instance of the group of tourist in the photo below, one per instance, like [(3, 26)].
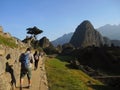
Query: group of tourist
[(27, 59)]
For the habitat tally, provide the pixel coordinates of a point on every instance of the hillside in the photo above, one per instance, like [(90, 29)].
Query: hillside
[(7, 40), (66, 78), (61, 76)]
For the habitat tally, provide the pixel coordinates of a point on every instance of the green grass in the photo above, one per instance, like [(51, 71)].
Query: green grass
[(61, 77), (7, 42)]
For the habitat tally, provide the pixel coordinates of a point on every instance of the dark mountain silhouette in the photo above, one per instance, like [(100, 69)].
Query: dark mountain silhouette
[(63, 39), (44, 42), (110, 31), (115, 42), (85, 35)]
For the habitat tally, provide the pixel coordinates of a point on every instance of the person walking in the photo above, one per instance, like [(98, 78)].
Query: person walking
[(36, 58), (26, 60)]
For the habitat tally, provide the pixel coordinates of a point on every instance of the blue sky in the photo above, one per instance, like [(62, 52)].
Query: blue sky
[(56, 17)]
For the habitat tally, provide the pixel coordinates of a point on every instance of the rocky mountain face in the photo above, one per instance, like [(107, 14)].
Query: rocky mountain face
[(85, 35), (44, 42), (63, 39)]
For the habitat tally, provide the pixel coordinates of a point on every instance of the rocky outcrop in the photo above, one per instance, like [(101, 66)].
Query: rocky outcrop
[(7, 35), (85, 35), (28, 40), (1, 29), (44, 42)]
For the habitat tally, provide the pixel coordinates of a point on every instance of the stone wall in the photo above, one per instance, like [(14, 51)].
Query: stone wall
[(1, 29), (9, 67)]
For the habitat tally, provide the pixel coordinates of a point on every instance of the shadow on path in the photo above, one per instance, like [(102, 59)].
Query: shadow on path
[(11, 71)]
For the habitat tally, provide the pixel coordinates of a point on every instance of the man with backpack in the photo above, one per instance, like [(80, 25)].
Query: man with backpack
[(26, 60)]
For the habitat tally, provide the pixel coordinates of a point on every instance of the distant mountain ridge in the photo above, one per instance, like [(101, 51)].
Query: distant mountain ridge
[(63, 39), (110, 31)]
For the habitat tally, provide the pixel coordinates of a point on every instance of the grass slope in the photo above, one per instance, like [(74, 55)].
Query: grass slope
[(61, 77), (7, 42)]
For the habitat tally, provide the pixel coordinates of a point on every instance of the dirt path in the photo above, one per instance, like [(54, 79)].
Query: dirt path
[(39, 79)]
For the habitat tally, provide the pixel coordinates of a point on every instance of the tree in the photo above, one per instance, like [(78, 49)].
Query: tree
[(34, 31)]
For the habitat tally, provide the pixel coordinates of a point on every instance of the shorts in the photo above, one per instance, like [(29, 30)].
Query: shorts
[(25, 71)]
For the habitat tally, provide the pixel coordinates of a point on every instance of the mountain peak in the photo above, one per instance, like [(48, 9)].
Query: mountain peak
[(85, 25), (85, 35), (86, 22)]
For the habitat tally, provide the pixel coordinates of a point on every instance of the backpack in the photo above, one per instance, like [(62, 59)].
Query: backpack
[(36, 57), (25, 60)]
